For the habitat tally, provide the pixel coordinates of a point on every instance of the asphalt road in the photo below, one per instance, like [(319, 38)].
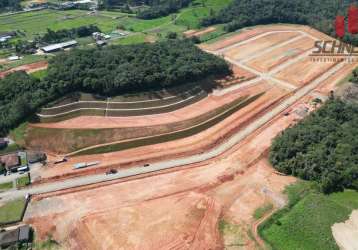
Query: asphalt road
[(237, 138)]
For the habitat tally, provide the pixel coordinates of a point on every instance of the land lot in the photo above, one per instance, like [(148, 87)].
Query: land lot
[(192, 198), (242, 51), (304, 71), (270, 60)]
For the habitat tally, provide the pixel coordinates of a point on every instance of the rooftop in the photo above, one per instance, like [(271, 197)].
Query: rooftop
[(58, 46)]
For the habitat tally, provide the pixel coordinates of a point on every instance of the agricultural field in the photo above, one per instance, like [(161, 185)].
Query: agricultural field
[(311, 218), (36, 23)]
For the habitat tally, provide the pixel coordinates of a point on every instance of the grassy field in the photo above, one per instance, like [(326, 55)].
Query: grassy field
[(10, 148), (36, 23), (306, 223), (261, 211), (23, 181), (6, 186), (27, 59), (18, 134), (233, 235), (12, 211), (40, 74)]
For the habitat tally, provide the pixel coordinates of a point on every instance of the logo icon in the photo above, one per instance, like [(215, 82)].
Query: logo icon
[(352, 22)]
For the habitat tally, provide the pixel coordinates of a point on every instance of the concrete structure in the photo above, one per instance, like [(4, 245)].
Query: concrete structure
[(59, 46), (12, 237)]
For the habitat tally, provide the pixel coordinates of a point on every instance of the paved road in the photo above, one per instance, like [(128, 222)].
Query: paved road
[(237, 138)]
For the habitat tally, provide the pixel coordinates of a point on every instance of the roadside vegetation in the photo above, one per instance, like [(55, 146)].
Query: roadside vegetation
[(322, 148), (6, 186), (263, 210), (12, 211), (306, 221), (23, 181), (6, 5)]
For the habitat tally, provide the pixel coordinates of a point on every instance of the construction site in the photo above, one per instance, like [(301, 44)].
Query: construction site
[(181, 162)]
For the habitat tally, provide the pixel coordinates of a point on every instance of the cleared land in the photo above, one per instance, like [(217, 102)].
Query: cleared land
[(304, 71), (242, 51), (58, 140), (192, 198), (270, 60), (29, 68)]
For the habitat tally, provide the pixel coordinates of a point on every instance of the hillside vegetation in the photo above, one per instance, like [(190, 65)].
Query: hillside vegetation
[(306, 222), (323, 147), (10, 5), (319, 14), (109, 71)]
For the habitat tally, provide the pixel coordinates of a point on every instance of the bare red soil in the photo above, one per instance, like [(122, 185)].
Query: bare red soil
[(179, 208), (29, 68)]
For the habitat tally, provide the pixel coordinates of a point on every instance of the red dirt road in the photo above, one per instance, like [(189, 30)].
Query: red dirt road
[(29, 68)]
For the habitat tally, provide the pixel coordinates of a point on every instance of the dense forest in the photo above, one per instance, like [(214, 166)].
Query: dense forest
[(323, 147), (163, 8), (10, 5), (113, 70), (65, 34), (108, 71), (319, 14), (354, 77), (154, 8)]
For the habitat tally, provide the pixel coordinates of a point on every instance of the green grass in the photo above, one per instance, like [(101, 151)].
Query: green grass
[(232, 234), (190, 17), (261, 211), (18, 134), (131, 39), (23, 181), (48, 244), (306, 222), (9, 149), (27, 59), (6, 186), (41, 74), (36, 23), (12, 211)]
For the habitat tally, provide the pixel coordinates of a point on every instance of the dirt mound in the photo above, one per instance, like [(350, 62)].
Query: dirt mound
[(346, 234)]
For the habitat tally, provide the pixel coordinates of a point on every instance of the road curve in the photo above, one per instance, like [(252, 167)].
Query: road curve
[(237, 138)]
